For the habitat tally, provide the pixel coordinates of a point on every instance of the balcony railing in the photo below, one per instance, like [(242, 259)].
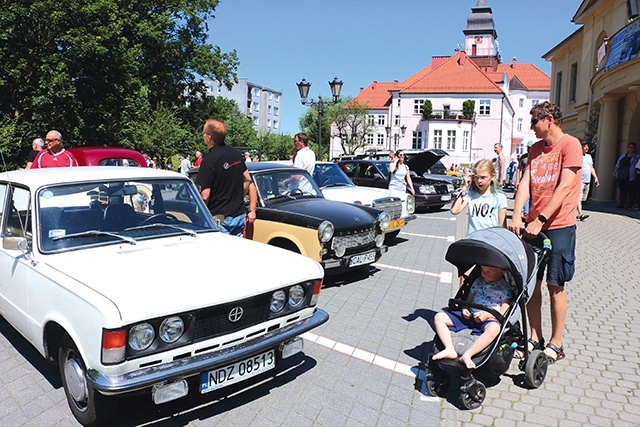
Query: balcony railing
[(449, 115)]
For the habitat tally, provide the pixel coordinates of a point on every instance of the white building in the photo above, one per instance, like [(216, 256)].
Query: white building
[(259, 103), (503, 95)]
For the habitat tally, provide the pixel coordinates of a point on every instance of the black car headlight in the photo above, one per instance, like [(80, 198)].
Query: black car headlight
[(325, 231)]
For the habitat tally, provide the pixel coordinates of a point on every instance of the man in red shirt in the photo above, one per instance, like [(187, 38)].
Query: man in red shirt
[(553, 178), (54, 156), (198, 159)]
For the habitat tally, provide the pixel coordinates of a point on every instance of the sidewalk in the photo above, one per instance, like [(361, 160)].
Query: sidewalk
[(598, 384)]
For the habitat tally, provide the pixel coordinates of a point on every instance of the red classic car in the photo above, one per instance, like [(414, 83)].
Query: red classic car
[(108, 156)]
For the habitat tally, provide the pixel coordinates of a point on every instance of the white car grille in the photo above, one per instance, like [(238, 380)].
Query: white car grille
[(391, 205)]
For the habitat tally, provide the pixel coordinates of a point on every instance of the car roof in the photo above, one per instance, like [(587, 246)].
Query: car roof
[(263, 166), (45, 176), (92, 155)]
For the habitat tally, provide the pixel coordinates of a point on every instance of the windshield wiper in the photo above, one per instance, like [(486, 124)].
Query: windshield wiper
[(337, 184), (160, 225), (95, 233)]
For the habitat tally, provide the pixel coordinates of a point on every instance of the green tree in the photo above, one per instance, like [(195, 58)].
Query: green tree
[(352, 125), (274, 147), (95, 70)]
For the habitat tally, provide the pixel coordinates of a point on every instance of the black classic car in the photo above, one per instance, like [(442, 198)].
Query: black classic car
[(292, 213), (430, 193)]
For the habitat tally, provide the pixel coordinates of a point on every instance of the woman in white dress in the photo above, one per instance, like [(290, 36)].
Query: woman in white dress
[(400, 179)]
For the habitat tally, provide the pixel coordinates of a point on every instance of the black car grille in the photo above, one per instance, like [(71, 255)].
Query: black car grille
[(441, 188), (392, 206), (214, 321)]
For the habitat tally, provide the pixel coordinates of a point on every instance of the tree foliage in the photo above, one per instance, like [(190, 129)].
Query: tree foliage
[(352, 125), (103, 71)]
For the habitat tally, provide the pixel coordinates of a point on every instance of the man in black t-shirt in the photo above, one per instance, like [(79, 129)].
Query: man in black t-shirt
[(223, 179)]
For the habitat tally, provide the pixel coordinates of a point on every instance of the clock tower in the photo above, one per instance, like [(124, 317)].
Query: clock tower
[(481, 36)]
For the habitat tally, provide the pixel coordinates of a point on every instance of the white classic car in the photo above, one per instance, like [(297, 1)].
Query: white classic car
[(336, 185), (126, 297)]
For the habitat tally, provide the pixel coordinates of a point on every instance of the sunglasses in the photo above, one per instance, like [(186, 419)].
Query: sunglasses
[(534, 121)]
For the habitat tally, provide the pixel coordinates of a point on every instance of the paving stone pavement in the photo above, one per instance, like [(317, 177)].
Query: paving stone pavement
[(363, 367)]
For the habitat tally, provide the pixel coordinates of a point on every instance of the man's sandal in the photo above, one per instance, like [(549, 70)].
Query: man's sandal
[(535, 345), (559, 353)]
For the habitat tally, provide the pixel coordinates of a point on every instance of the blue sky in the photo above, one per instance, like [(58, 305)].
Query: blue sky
[(281, 41)]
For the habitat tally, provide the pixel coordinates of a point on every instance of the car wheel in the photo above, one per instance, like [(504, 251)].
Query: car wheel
[(88, 406), (390, 236), (285, 244)]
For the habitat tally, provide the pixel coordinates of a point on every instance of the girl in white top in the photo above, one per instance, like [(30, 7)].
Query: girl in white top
[(400, 176), (487, 203)]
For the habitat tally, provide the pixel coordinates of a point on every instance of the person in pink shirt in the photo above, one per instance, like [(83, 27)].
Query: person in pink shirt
[(54, 156), (553, 178)]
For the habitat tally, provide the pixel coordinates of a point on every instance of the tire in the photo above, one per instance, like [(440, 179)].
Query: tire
[(88, 406), (285, 244), (438, 383), (472, 394), (535, 369), (391, 236)]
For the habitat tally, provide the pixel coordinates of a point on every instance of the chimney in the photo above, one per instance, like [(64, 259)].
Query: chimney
[(462, 58), (514, 61)]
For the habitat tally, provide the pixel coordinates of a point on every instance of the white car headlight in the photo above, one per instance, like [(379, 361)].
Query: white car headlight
[(411, 204), (171, 329), (384, 219), (325, 231), (296, 296), (141, 336), (277, 301), (427, 189)]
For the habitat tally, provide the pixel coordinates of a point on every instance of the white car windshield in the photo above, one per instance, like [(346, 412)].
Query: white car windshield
[(97, 213), (285, 184), (330, 175)]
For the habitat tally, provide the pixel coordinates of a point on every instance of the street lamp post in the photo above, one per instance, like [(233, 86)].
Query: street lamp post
[(303, 88)]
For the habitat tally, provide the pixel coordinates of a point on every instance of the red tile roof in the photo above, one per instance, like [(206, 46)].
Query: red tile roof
[(377, 95), (457, 74), (529, 75)]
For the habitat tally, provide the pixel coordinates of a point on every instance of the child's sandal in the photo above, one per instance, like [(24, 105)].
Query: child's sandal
[(559, 353)]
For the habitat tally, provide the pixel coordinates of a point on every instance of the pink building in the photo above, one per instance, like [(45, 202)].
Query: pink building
[(502, 95)]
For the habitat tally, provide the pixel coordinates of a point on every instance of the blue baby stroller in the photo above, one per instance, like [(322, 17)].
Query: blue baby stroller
[(500, 248)]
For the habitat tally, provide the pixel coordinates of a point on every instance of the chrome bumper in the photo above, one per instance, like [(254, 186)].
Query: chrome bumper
[(194, 365)]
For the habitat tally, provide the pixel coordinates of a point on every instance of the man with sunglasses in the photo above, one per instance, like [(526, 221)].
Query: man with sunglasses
[(54, 156), (553, 178)]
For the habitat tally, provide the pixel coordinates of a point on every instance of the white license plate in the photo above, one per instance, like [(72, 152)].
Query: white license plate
[(445, 198), (396, 223), (239, 371), (367, 258)]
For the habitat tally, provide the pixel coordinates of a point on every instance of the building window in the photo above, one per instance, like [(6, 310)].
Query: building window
[(256, 91), (574, 82), (256, 106), (417, 139), (275, 124), (398, 102), (380, 139), (396, 121), (521, 102), (256, 121), (485, 107), (269, 109), (370, 139), (534, 102), (276, 97), (417, 106), (520, 125), (270, 96), (382, 120), (371, 120), (276, 111), (269, 123), (465, 140), (437, 138), (558, 88), (451, 140)]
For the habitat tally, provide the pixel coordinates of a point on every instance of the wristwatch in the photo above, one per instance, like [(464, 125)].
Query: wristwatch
[(542, 218)]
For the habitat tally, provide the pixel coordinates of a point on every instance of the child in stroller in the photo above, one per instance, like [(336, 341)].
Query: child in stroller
[(490, 353), (490, 289)]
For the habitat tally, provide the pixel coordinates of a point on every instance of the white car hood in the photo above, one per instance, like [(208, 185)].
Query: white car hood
[(175, 274), (365, 195)]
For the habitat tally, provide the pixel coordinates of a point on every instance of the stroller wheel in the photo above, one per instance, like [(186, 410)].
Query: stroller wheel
[(437, 382), (472, 394), (535, 369)]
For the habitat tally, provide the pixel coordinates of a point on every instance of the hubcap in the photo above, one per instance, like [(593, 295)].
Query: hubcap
[(74, 376)]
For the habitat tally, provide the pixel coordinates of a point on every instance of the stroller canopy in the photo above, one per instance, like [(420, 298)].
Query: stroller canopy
[(494, 247)]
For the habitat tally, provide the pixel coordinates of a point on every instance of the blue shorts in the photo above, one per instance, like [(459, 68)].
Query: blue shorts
[(562, 259), (460, 323), (233, 225)]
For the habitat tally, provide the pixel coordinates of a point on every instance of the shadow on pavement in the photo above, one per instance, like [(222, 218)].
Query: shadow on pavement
[(49, 371)]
